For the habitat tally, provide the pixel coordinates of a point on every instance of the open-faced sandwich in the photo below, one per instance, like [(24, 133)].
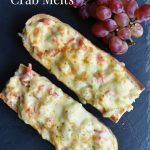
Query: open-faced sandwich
[(56, 116), (95, 76)]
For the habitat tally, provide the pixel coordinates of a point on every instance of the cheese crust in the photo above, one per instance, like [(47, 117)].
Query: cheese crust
[(56, 116), (95, 76)]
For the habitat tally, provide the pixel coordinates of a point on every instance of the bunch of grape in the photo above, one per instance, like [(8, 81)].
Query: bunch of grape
[(117, 21)]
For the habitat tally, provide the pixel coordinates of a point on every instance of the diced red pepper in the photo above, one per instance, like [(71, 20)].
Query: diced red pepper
[(100, 58), (49, 91), (81, 42), (99, 131), (55, 94), (46, 21)]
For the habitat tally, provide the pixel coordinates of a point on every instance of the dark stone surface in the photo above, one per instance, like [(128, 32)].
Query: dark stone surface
[(132, 131)]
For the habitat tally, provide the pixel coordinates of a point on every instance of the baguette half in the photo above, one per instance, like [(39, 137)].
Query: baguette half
[(56, 116), (94, 75)]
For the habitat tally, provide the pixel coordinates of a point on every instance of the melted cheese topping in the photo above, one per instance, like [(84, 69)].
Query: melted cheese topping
[(56, 116), (96, 77)]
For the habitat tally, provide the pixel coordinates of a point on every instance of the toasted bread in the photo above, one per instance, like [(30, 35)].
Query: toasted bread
[(94, 75), (56, 116)]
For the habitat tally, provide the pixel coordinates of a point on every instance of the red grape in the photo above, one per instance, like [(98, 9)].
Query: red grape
[(131, 8), (102, 2), (143, 13), (122, 19), (136, 30), (124, 48), (124, 33), (117, 46), (103, 13), (83, 12), (99, 31), (77, 3), (110, 25), (116, 6), (92, 9), (125, 2)]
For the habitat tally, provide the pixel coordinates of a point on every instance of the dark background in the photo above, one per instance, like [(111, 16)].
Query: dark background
[(132, 131)]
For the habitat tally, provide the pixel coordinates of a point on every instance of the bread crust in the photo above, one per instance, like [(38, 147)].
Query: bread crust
[(4, 98), (3, 95)]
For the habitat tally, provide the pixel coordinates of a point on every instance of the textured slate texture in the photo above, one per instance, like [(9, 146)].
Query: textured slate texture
[(132, 131)]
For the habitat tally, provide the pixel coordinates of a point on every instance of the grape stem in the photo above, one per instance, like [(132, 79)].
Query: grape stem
[(131, 42), (132, 23), (86, 1)]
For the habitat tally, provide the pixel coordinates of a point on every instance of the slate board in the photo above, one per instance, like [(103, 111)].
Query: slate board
[(133, 130)]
